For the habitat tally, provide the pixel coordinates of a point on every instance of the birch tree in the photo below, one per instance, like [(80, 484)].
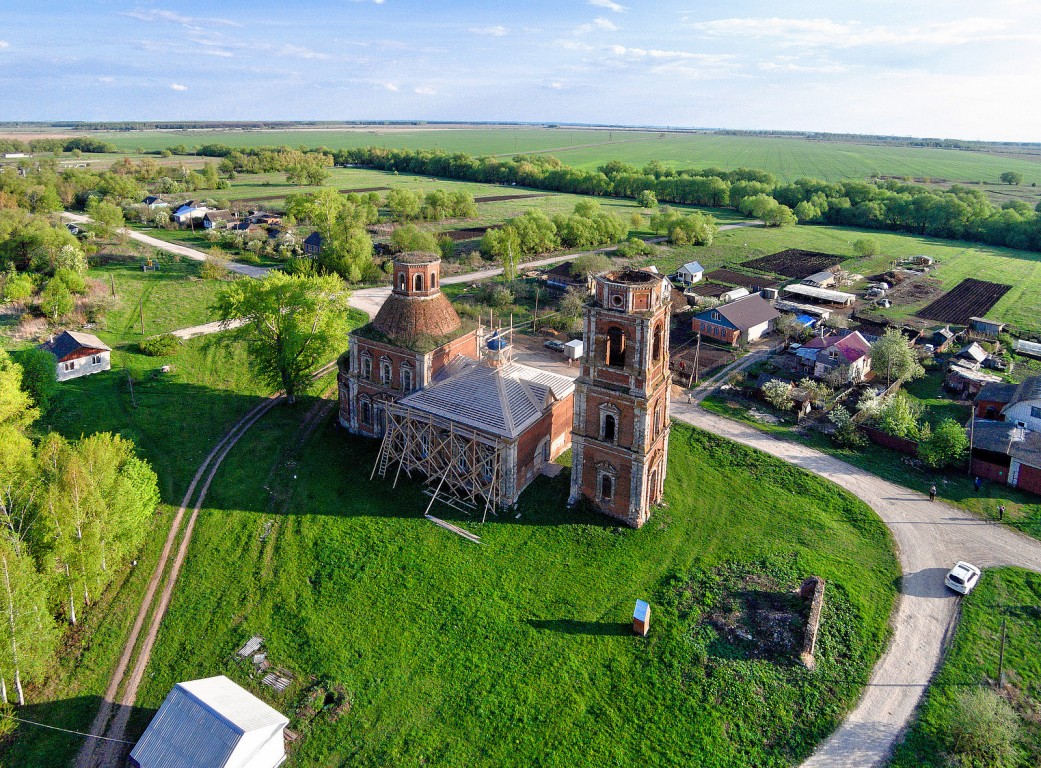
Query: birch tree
[(28, 634)]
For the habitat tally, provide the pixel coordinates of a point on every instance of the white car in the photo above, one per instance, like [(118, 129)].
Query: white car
[(963, 577)]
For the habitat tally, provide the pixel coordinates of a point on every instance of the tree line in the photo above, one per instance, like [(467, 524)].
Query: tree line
[(72, 514)]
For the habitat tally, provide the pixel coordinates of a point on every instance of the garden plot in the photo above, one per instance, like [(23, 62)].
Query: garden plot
[(969, 298), (795, 262), (730, 277), (500, 198)]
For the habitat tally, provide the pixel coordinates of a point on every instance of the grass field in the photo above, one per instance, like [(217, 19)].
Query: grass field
[(787, 158), (1005, 593), (518, 651)]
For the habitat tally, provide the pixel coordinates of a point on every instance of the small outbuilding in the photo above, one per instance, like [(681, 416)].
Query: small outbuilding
[(820, 294), (212, 723), (690, 273), (313, 244), (985, 326), (820, 279), (78, 354)]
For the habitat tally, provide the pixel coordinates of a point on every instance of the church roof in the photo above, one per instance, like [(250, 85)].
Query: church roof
[(406, 320), (503, 400)]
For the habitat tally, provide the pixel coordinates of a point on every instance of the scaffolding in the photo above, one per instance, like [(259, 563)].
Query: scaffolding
[(463, 466)]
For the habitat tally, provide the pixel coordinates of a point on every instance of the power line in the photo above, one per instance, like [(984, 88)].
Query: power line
[(66, 730)]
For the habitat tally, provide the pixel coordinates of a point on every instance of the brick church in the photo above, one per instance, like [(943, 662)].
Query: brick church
[(451, 405)]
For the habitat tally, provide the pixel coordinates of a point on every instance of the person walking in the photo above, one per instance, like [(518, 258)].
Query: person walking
[(1001, 512), (977, 482), (932, 493)]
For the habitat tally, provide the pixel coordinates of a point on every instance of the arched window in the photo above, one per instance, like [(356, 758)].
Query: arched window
[(401, 281), (609, 430), (659, 420), (433, 280), (386, 371), (417, 282), (366, 365), (366, 412), (406, 378), (606, 487), (657, 345), (616, 348)]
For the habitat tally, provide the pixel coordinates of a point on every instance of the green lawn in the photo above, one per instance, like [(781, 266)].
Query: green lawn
[(787, 158), (1006, 593), (517, 651)]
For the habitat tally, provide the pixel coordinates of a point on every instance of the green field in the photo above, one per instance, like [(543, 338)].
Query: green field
[(1006, 593), (517, 651), (788, 158)]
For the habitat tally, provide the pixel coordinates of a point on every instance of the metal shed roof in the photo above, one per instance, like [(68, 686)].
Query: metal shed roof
[(835, 297), (202, 724)]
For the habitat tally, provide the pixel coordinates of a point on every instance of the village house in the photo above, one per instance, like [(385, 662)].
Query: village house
[(189, 212), (212, 723), (559, 278), (215, 219), (313, 244), (739, 322), (1006, 433), (822, 355), (154, 201), (942, 338), (78, 354), (690, 273)]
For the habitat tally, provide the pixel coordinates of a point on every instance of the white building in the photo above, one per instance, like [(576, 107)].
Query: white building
[(690, 273), (212, 723), (78, 354)]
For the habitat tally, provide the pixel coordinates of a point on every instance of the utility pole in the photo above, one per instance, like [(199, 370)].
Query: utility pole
[(972, 437), (141, 313), (112, 282), (697, 355), (130, 383), (1001, 657), (535, 317)]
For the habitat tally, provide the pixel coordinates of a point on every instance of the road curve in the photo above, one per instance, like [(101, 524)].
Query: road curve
[(180, 250), (930, 537)]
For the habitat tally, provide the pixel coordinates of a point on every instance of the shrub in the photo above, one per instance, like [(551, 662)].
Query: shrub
[(163, 345), (984, 730), (39, 378), (778, 393), (248, 257), (214, 269)]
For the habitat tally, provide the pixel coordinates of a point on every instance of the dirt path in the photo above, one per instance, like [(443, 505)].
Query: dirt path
[(929, 537), (207, 328), (180, 250), (111, 719)]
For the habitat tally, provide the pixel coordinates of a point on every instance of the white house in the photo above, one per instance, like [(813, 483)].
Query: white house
[(154, 201), (78, 354), (190, 211), (212, 723), (690, 273)]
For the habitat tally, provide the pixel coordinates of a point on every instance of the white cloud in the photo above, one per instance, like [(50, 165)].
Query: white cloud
[(654, 53), (572, 45), (106, 79), (599, 23), (176, 18), (830, 33), (4, 44), (425, 90), (178, 87), (555, 85), (497, 31), (789, 64), (609, 5), (391, 87), (299, 52)]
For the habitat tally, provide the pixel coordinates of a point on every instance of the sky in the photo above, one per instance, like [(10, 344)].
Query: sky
[(952, 69)]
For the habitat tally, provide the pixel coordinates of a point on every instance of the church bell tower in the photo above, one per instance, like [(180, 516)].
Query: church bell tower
[(621, 425)]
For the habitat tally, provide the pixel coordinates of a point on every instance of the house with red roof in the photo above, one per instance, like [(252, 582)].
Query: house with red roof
[(824, 354)]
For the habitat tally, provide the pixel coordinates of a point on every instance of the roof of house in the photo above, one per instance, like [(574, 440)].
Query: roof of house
[(1028, 389), (503, 400), (747, 312), (201, 723), (945, 332), (1005, 437), (974, 352), (960, 369), (152, 199), (693, 267), (997, 392), (820, 277), (853, 346), (315, 239), (67, 342), (214, 213), (562, 271)]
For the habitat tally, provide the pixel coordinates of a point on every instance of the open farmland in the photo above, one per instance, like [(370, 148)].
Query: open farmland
[(786, 157), (794, 262), (969, 298)]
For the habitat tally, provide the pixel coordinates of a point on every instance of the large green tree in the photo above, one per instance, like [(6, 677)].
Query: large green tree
[(294, 324), (893, 358)]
